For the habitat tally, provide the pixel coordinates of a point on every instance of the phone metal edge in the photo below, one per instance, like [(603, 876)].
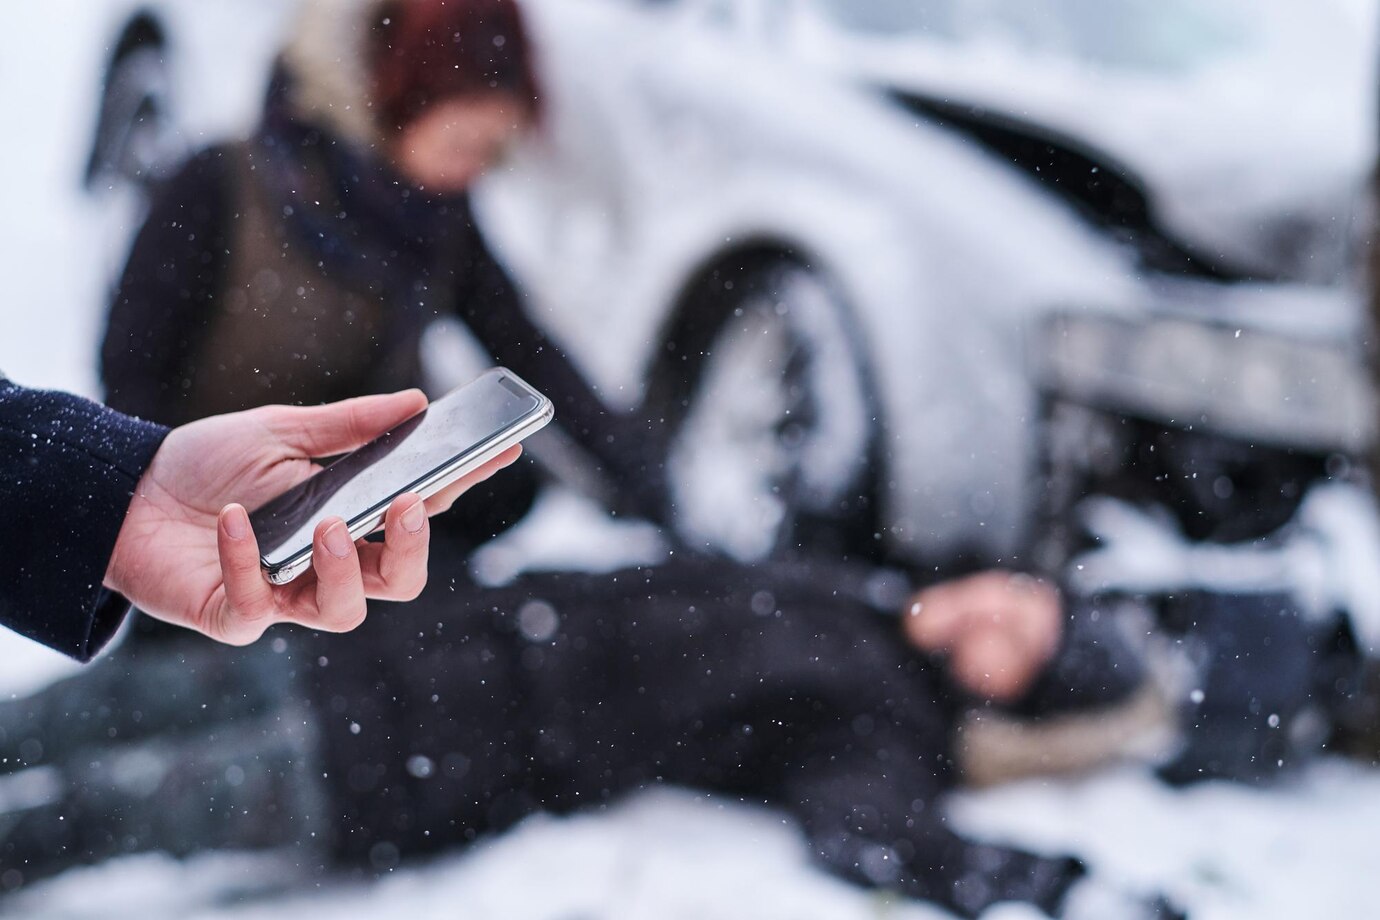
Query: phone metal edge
[(286, 572)]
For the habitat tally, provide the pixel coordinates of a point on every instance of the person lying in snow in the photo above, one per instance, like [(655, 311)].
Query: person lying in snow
[(433, 725)]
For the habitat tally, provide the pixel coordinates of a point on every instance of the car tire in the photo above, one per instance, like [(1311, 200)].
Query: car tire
[(768, 413)]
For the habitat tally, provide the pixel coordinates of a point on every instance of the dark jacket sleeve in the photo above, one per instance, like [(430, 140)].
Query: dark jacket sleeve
[(68, 469), (165, 296), (1095, 665), (616, 444)]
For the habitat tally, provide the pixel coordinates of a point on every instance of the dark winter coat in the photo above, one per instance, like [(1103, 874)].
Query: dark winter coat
[(241, 289), (293, 268), (68, 469), (568, 691)]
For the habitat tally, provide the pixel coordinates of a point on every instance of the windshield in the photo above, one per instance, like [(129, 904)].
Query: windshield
[(1132, 34)]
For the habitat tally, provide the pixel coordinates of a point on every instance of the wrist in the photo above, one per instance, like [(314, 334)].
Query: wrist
[(123, 555), (116, 566)]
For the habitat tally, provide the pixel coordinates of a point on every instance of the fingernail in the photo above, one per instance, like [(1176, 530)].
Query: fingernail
[(337, 540), (414, 518), (236, 522)]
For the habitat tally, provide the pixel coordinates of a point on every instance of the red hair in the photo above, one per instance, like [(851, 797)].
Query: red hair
[(427, 50)]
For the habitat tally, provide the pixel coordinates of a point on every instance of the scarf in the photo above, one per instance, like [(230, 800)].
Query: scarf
[(354, 216)]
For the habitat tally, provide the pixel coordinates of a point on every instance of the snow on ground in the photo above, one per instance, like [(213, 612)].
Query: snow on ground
[(1228, 852)]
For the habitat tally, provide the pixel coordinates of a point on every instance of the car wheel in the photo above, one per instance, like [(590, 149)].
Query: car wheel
[(135, 140), (771, 430)]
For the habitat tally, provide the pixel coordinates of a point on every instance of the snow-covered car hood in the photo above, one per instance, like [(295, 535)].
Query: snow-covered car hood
[(1255, 135)]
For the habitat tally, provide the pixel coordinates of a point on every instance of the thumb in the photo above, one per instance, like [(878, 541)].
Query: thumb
[(337, 428)]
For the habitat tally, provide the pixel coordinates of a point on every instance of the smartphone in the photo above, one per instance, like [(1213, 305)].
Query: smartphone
[(452, 437)]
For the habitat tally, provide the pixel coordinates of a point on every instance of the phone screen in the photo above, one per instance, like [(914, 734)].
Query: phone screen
[(362, 484)]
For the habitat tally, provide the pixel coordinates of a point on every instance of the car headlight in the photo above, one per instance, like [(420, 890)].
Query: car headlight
[(1255, 385)]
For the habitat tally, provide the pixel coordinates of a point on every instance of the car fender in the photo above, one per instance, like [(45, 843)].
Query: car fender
[(673, 152)]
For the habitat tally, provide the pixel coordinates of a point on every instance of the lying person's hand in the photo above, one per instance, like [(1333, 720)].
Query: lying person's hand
[(998, 630), (186, 553)]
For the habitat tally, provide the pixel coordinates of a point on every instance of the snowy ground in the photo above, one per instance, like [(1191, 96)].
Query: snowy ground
[(1228, 852), (1304, 850)]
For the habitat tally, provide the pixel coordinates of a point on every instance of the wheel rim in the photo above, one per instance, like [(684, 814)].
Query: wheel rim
[(779, 425)]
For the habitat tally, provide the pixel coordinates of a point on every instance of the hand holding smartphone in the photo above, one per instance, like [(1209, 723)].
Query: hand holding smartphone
[(451, 438)]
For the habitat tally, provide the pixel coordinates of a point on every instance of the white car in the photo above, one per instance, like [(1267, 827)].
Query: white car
[(845, 295)]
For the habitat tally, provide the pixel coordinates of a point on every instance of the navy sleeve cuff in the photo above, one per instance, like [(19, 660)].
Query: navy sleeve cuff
[(1095, 665), (68, 470)]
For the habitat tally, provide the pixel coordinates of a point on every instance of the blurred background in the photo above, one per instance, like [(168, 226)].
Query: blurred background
[(1033, 253)]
